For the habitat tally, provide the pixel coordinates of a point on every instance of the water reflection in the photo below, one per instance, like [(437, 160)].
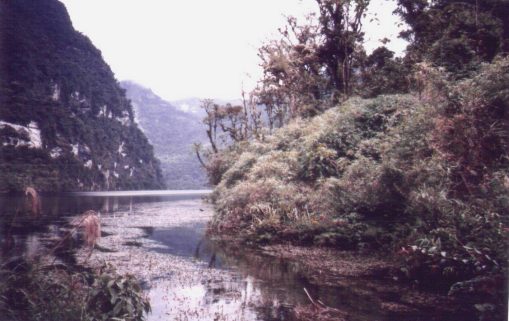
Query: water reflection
[(257, 286), (161, 239), (20, 227)]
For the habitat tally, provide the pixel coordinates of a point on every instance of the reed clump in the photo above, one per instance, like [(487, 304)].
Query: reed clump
[(34, 200), (90, 223)]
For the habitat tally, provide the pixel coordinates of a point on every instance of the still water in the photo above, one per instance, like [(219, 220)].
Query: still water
[(160, 236), (20, 226)]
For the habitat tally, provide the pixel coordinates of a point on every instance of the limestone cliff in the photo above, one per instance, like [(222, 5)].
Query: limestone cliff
[(65, 123)]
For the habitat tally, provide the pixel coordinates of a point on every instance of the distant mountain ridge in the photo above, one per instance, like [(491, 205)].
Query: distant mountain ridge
[(65, 123), (172, 131)]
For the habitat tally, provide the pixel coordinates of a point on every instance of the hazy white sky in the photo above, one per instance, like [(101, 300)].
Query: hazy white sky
[(198, 48)]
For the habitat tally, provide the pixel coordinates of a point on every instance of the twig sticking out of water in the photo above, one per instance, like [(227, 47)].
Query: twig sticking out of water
[(316, 304), (323, 309)]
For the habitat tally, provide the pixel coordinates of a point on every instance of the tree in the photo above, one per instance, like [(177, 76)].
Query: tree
[(341, 28), (456, 35), (382, 73), (253, 114), (233, 121), (293, 79), (311, 66), (211, 122)]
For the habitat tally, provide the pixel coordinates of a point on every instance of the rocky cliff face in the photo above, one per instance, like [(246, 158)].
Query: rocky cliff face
[(65, 123), (172, 132)]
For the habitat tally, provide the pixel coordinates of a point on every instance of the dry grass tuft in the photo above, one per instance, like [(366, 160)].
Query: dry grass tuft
[(91, 224), (34, 200)]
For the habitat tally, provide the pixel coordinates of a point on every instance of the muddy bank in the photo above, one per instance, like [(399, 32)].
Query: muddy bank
[(376, 281), (367, 274)]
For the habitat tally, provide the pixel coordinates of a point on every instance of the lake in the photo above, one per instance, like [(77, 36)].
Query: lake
[(160, 237)]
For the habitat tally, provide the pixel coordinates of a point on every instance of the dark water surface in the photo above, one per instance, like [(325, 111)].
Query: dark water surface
[(160, 237), (273, 286), (19, 223)]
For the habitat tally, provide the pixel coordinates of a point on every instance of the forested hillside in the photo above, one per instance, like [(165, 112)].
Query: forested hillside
[(375, 153), (65, 123), (172, 132)]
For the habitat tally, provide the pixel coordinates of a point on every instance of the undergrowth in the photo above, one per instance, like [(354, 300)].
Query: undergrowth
[(426, 179), (46, 291), (36, 287)]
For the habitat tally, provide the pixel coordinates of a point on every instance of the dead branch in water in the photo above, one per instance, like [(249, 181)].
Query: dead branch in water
[(318, 311)]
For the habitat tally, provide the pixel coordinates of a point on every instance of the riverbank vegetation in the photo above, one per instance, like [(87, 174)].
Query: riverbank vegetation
[(49, 284), (34, 290), (408, 156)]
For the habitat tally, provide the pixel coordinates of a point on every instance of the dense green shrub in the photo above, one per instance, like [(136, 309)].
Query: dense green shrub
[(426, 177), (116, 296), (295, 177), (33, 291)]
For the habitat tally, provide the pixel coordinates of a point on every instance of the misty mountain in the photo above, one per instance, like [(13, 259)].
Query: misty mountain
[(65, 123), (172, 130)]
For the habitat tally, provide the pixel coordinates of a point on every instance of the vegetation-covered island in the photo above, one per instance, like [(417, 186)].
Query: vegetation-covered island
[(406, 157)]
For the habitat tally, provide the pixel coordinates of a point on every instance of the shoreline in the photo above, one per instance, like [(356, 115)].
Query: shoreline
[(137, 249)]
